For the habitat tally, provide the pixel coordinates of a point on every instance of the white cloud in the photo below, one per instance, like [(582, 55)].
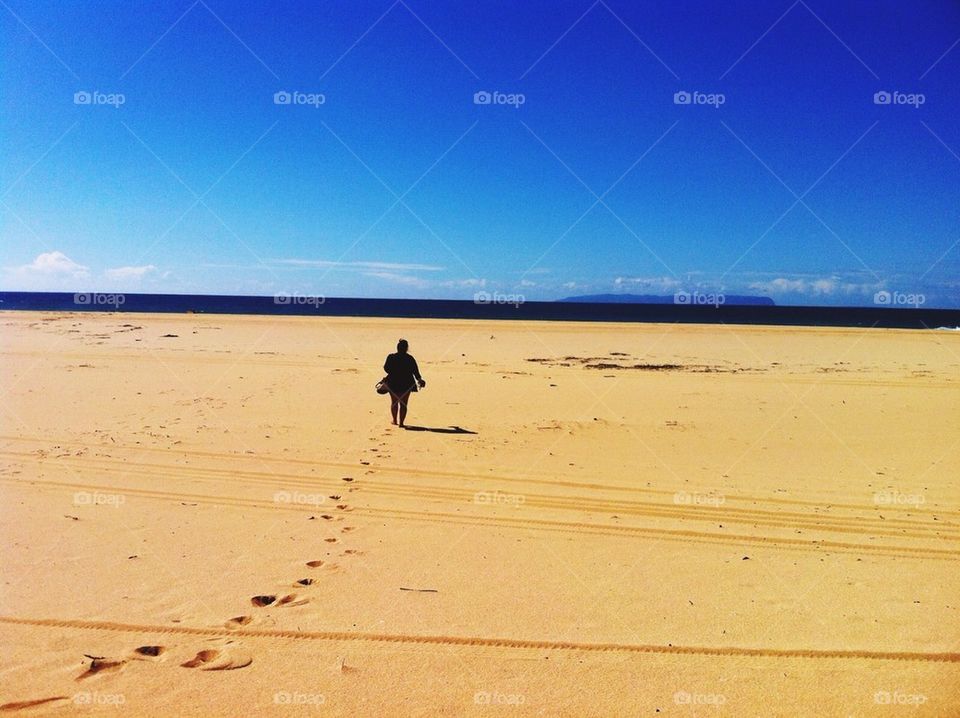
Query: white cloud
[(359, 266), (396, 278), (464, 283), (54, 263), (50, 271), (818, 287), (411, 280), (129, 272), (662, 284), (781, 285), (824, 286)]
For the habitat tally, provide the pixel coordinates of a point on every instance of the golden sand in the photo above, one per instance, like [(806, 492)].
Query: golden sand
[(212, 515)]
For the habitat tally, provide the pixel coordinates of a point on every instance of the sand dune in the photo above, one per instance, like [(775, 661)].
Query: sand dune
[(211, 515)]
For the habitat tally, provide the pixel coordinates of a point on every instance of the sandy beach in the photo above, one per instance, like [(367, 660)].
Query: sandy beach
[(212, 515)]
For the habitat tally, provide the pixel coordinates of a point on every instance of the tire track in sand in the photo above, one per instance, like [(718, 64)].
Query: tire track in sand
[(579, 527), (491, 642), (428, 473), (872, 524)]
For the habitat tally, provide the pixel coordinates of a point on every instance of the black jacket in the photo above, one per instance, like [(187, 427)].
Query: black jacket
[(402, 372)]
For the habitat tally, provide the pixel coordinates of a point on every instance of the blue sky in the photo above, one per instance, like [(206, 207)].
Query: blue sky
[(386, 178)]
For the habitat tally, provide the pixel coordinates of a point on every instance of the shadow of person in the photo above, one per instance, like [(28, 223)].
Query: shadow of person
[(439, 430)]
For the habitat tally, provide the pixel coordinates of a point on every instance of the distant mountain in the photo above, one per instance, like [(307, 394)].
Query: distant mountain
[(699, 298)]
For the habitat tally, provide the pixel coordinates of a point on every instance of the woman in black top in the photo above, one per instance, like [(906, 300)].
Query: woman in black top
[(403, 376)]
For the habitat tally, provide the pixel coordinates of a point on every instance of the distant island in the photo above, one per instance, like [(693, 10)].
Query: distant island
[(691, 298)]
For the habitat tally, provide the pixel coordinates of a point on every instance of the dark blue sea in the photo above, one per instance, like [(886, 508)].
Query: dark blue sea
[(496, 308)]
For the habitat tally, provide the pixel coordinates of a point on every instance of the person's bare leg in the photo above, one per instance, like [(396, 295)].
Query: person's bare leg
[(403, 407), (394, 405)]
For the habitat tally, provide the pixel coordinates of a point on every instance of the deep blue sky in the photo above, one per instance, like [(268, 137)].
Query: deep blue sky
[(503, 198)]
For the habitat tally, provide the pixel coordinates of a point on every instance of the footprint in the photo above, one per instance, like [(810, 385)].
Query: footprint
[(205, 656), (330, 540), (238, 621), (261, 601), (342, 507), (346, 529), (305, 581), (335, 498), (231, 665), (204, 660), (353, 552), (315, 564), (149, 651), (291, 600), (98, 665), (343, 667), (20, 705)]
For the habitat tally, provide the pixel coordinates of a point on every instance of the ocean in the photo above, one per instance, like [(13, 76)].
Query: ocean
[(496, 307)]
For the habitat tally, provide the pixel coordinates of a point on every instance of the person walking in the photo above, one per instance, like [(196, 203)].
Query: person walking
[(403, 377)]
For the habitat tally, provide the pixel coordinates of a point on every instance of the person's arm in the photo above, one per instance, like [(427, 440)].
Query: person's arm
[(386, 364), (416, 373)]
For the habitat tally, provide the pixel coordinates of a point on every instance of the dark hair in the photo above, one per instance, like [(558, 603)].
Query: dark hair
[(402, 345)]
